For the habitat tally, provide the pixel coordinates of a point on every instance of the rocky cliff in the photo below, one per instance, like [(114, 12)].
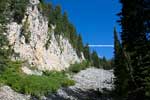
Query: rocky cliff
[(29, 38)]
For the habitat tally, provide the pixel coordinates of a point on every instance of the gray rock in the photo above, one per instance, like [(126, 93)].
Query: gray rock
[(6, 93)]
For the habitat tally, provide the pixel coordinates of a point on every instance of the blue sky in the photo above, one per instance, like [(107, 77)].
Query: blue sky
[(94, 20)]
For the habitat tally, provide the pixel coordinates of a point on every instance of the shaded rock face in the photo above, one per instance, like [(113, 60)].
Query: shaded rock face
[(29, 38)]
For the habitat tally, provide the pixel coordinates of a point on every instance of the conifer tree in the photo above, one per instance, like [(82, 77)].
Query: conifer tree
[(65, 24), (79, 45), (5, 50), (120, 70), (86, 52), (135, 43), (95, 59), (58, 20)]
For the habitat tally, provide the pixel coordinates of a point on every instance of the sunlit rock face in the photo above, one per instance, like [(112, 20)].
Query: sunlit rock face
[(29, 38)]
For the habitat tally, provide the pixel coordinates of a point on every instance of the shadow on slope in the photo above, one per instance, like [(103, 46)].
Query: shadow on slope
[(78, 94)]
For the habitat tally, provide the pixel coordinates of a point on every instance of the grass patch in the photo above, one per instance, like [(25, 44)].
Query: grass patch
[(34, 85)]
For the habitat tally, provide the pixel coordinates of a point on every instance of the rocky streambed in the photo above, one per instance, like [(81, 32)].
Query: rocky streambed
[(90, 85)]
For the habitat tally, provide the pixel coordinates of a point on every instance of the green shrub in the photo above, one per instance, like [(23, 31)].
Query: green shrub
[(77, 67), (25, 31), (31, 84), (66, 83), (27, 37), (48, 42)]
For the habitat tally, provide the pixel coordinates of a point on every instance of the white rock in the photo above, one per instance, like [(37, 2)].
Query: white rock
[(31, 72)]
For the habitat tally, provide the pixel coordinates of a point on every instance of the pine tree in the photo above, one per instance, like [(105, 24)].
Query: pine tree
[(65, 24), (58, 20), (146, 59), (136, 46), (86, 52), (147, 18), (79, 45), (95, 59), (120, 70)]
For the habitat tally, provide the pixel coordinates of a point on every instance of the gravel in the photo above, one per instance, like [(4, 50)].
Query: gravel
[(90, 84)]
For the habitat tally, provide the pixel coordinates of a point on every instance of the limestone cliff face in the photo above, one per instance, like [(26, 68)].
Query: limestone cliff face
[(29, 38)]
